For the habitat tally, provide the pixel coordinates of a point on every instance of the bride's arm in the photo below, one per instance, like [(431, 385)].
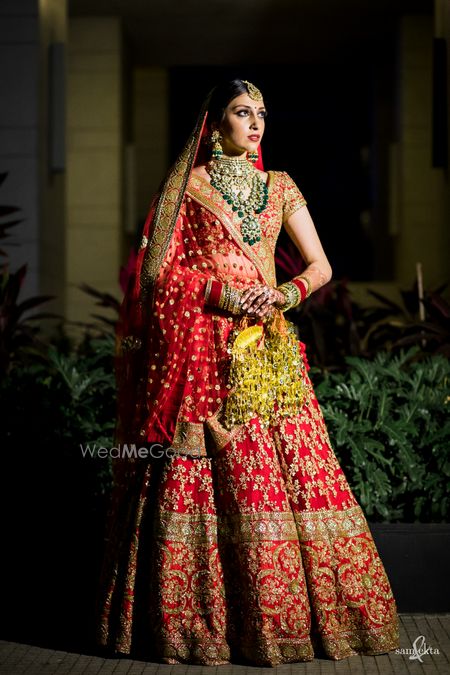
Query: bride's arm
[(301, 229)]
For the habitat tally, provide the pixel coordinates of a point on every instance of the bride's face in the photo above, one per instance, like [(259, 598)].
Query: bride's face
[(243, 124)]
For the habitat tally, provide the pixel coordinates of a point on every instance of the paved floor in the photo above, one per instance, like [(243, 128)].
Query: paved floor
[(28, 659)]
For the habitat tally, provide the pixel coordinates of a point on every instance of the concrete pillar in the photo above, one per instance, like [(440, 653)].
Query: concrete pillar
[(150, 130), (94, 171), (52, 173), (423, 229), (28, 30), (19, 130)]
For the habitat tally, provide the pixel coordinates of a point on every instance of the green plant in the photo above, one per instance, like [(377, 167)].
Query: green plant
[(395, 326), (63, 401), (5, 223), (19, 332), (389, 423)]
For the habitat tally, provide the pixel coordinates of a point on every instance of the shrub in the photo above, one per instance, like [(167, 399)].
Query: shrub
[(388, 419)]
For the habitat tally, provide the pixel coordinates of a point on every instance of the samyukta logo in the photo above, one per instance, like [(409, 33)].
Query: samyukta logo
[(419, 648)]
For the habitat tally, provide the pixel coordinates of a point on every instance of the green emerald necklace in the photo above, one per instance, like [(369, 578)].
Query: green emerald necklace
[(243, 189)]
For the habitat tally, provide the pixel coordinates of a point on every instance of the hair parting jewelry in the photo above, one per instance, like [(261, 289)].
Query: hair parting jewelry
[(253, 91)]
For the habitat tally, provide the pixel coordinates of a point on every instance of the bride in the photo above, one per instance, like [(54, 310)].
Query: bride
[(240, 540)]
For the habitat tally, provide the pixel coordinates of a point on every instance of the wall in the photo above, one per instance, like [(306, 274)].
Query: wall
[(150, 132), (418, 193), (423, 207), (95, 155), (52, 181), (19, 129)]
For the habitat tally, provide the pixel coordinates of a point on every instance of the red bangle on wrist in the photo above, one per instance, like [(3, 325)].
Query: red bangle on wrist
[(301, 287), (213, 292)]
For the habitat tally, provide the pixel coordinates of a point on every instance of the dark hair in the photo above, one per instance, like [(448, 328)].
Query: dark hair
[(221, 96)]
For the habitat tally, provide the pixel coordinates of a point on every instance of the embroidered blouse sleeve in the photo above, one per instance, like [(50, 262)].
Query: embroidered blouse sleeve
[(292, 197)]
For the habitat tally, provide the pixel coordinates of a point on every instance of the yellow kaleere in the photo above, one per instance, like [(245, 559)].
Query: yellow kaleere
[(248, 336), (266, 366)]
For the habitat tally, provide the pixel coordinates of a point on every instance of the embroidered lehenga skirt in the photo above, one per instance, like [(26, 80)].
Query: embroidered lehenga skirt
[(258, 553)]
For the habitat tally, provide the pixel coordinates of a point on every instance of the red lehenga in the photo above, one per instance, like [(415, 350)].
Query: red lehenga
[(247, 544)]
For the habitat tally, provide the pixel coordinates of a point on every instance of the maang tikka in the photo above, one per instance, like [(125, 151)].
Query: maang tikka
[(253, 91), (255, 95)]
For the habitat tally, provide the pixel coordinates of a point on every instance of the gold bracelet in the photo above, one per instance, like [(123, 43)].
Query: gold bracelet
[(226, 298), (220, 300), (292, 295), (208, 289), (230, 299), (223, 297), (235, 301)]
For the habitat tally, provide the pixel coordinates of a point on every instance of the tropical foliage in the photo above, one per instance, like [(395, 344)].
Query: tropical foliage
[(389, 422)]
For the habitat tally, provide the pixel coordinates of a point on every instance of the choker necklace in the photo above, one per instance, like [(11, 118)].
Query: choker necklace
[(243, 189)]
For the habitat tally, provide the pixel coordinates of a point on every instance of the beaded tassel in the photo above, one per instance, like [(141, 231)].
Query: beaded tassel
[(265, 367)]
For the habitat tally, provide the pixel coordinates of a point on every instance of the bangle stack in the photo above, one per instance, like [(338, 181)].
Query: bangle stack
[(294, 292), (218, 294), (291, 294), (230, 299), (306, 292)]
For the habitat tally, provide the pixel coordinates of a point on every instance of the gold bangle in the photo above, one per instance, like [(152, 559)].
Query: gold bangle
[(235, 301), (208, 289), (223, 297), (230, 299), (292, 294)]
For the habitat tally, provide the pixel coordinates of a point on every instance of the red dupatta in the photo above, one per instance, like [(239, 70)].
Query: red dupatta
[(153, 352), (135, 339)]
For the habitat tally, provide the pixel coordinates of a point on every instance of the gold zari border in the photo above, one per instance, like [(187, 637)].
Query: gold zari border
[(320, 525), (327, 525)]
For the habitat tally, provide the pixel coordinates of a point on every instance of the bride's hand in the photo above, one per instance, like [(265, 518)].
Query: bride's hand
[(260, 300)]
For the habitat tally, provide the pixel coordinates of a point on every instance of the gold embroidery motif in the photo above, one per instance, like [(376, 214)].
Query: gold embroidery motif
[(258, 527), (189, 439), (292, 197), (220, 434)]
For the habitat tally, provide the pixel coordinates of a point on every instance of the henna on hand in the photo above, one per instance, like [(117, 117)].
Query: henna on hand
[(259, 300)]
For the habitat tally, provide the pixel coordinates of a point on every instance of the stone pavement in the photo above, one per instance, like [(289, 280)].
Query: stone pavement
[(17, 658)]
